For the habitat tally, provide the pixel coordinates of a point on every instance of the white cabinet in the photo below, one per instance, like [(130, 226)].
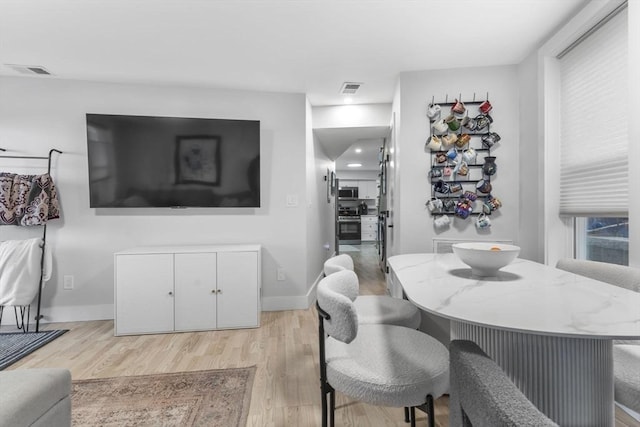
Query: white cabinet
[(367, 189), (368, 228), (190, 288)]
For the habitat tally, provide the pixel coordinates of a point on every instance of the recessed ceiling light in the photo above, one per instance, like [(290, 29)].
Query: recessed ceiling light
[(354, 165), (358, 150)]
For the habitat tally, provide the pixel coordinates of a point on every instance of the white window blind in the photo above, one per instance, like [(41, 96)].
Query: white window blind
[(594, 115)]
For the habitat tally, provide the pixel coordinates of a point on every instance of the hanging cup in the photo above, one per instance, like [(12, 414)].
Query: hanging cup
[(433, 112), (434, 143), (452, 122), (439, 126)]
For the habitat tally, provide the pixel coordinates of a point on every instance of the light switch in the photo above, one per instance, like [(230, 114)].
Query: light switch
[(292, 200)]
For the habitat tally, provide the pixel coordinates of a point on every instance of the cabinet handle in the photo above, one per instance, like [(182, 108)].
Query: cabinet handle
[(170, 293), (213, 291), (219, 291)]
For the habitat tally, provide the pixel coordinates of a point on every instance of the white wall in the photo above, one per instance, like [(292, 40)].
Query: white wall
[(37, 114), (320, 213), (341, 116), (413, 221), (531, 194)]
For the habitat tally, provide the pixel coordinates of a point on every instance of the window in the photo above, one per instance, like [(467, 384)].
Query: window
[(603, 239), (594, 178)]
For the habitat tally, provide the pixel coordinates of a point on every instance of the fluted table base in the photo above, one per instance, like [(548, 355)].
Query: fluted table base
[(568, 379)]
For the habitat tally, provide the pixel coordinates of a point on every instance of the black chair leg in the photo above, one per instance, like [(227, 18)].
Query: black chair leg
[(332, 399), (431, 415), (413, 416), (324, 406), (406, 414)]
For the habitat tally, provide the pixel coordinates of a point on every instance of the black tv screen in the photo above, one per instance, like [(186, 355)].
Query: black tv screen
[(141, 161)]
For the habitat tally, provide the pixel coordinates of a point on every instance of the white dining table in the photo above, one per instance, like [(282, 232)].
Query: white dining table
[(550, 330)]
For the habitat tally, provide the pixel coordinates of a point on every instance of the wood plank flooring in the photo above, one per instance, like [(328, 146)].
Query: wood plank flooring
[(284, 349)]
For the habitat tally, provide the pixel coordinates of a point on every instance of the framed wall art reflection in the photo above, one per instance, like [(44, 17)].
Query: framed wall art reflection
[(198, 159)]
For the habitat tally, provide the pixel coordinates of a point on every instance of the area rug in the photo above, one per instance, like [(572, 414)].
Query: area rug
[(218, 397), (16, 345)]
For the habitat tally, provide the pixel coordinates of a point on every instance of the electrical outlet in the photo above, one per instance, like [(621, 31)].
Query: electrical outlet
[(67, 282), (280, 274)]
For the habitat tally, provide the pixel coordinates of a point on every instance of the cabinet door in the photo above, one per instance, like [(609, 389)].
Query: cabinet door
[(195, 296), (144, 293), (238, 289), (367, 189)]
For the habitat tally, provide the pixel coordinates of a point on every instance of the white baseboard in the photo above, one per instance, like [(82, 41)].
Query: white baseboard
[(86, 313), (633, 414), (301, 302), (82, 313)]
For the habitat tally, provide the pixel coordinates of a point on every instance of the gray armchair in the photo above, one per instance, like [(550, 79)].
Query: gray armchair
[(381, 309), (35, 397), (379, 364), (483, 395), (626, 354)]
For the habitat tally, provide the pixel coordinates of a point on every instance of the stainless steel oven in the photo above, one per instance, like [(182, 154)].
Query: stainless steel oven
[(349, 229)]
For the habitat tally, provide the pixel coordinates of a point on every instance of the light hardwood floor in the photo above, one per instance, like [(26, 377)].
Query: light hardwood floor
[(284, 349)]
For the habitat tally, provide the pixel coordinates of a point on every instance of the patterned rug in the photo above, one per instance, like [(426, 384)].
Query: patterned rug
[(218, 397), (16, 345)]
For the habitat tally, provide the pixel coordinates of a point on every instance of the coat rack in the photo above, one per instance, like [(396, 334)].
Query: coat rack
[(23, 326)]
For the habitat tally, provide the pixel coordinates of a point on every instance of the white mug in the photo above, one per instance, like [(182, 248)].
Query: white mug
[(440, 126), (434, 143), (469, 155), (483, 221), (434, 204), (441, 221), (433, 112)]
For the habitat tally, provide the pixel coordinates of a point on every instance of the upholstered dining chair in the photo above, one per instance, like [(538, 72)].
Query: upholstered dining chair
[(483, 395), (626, 353), (376, 308), (379, 364)]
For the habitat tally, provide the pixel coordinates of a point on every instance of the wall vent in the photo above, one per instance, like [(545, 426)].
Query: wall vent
[(349, 88), (29, 69), (443, 246)]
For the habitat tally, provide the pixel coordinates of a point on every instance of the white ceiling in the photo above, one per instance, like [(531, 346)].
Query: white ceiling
[(303, 46)]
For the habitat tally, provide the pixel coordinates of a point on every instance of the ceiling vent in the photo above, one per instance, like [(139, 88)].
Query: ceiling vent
[(350, 88), (29, 69)]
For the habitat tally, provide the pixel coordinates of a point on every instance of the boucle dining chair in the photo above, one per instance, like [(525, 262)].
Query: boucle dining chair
[(379, 364), (376, 308), (626, 353), (483, 395)]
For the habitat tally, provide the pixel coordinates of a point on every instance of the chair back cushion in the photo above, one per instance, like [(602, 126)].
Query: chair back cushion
[(483, 392), (338, 263), (618, 275), (335, 297)]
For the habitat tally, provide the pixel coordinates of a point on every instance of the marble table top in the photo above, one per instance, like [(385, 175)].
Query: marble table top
[(525, 297)]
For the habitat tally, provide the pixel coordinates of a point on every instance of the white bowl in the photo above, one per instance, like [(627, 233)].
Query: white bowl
[(485, 258)]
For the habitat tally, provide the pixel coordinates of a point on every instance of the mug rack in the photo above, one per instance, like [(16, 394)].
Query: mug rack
[(474, 174)]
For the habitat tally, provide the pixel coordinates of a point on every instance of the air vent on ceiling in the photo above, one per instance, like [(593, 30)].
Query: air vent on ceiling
[(29, 69), (350, 88)]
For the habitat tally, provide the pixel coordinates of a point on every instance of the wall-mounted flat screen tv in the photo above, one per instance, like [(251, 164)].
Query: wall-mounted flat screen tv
[(141, 161)]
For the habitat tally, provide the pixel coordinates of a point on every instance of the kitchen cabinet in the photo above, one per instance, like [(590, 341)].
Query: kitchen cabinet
[(188, 288), (368, 228), (367, 189)]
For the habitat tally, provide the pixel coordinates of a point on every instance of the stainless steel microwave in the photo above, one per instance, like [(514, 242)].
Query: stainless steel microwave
[(348, 193)]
